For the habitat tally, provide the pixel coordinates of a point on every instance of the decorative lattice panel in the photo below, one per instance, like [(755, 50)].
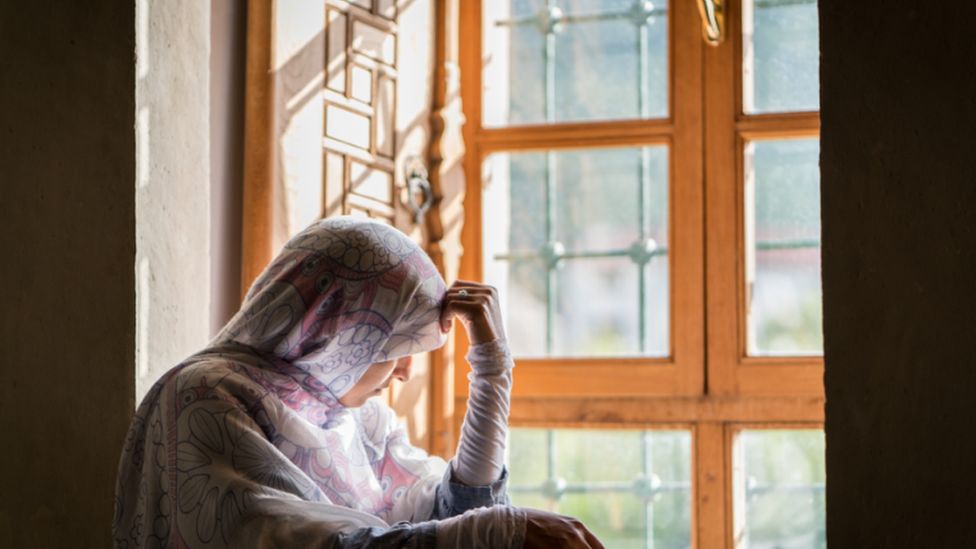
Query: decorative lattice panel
[(360, 108)]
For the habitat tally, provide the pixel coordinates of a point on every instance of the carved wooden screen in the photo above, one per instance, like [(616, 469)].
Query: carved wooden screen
[(338, 105), (360, 108)]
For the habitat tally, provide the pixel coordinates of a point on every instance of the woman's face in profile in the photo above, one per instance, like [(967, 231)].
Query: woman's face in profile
[(377, 377)]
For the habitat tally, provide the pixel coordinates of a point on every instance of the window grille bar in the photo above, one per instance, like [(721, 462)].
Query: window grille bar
[(648, 467), (763, 245), (795, 244), (597, 487), (644, 176), (549, 90), (781, 3), (550, 18), (761, 489), (550, 455), (545, 255)]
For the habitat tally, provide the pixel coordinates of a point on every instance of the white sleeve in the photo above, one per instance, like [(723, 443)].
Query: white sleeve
[(480, 456)]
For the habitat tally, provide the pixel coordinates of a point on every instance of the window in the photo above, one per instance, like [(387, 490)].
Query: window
[(648, 206), (632, 487)]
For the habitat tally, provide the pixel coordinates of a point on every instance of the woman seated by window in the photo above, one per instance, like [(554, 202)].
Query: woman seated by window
[(269, 438)]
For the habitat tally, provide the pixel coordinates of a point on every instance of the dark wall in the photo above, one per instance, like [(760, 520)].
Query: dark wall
[(898, 163), (67, 234)]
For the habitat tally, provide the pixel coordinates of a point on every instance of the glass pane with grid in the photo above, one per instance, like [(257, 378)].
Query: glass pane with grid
[(779, 478), (780, 56), (576, 241), (782, 194), (551, 61), (631, 488)]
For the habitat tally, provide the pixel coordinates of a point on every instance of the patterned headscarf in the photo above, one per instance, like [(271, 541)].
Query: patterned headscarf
[(342, 295), (252, 427)]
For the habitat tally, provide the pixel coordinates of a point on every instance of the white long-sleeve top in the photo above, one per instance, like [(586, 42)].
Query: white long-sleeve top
[(480, 456)]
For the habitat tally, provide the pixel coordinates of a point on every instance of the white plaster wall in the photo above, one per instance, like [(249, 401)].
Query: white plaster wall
[(172, 184), (299, 51)]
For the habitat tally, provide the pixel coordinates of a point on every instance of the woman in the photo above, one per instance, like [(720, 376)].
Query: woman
[(268, 438)]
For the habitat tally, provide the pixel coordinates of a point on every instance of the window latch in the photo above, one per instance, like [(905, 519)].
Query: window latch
[(712, 14), (418, 184)]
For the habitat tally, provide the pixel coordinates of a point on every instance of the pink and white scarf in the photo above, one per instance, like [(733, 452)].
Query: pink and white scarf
[(251, 427)]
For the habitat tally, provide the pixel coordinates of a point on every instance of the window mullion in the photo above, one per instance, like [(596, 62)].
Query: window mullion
[(712, 486)]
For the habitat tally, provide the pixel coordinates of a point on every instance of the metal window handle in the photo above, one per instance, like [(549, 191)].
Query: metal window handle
[(418, 183), (712, 14)]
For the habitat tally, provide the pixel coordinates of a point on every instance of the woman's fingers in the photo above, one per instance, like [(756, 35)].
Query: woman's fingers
[(591, 540), (469, 284), (468, 292), (473, 288), (475, 312), (544, 529), (481, 316), (464, 307)]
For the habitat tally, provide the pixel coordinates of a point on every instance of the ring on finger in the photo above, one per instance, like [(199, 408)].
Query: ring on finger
[(463, 293)]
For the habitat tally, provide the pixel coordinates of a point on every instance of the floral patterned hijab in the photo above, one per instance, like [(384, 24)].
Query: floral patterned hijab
[(344, 294), (251, 427)]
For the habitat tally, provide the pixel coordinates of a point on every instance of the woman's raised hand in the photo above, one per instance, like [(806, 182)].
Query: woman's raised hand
[(477, 307), (544, 530)]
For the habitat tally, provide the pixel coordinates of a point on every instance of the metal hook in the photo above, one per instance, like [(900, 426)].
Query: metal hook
[(712, 14), (418, 182)]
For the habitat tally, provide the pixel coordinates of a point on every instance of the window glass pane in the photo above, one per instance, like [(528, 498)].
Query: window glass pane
[(524, 304), (782, 192), (631, 488), (656, 308), (780, 55), (573, 60), (576, 242), (779, 489), (588, 327)]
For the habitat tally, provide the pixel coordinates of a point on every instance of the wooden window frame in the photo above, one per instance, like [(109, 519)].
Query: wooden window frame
[(710, 386), (734, 524), (681, 373), (730, 370)]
